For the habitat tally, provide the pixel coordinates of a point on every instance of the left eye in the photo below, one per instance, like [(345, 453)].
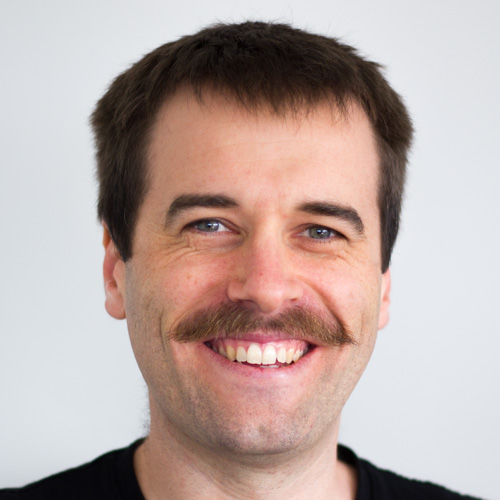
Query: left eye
[(319, 233)]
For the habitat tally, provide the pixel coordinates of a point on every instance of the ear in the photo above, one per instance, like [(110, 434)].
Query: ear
[(385, 299), (114, 278)]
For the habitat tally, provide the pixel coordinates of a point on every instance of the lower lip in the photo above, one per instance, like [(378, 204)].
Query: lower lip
[(256, 371)]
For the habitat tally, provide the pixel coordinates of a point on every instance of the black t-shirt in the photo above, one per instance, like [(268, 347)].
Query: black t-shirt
[(112, 477)]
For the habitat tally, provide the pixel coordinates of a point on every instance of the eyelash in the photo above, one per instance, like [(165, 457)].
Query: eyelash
[(192, 225), (332, 232)]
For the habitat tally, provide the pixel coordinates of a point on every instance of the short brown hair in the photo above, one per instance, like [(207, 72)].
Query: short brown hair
[(256, 64)]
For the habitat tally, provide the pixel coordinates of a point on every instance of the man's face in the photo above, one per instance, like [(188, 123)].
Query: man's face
[(260, 213)]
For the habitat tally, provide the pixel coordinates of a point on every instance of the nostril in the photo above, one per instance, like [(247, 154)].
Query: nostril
[(264, 280), (263, 295)]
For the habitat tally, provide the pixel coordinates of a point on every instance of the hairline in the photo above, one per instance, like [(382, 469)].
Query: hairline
[(205, 96)]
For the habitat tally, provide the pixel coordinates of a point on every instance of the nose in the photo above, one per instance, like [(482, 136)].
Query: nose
[(265, 277)]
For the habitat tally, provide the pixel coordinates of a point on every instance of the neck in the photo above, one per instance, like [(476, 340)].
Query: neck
[(170, 465)]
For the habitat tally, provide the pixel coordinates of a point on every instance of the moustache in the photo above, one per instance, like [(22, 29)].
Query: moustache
[(233, 320)]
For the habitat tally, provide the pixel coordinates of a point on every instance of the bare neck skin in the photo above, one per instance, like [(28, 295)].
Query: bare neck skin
[(173, 467)]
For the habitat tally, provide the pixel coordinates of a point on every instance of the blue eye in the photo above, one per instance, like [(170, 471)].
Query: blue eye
[(319, 233), (209, 226)]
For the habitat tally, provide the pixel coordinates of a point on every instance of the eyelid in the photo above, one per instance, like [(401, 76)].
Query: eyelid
[(230, 228), (335, 234), (222, 222)]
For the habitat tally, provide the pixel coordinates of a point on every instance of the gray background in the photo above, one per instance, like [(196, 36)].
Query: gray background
[(427, 406)]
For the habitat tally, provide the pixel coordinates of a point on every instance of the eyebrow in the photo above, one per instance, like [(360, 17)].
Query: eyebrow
[(187, 201), (334, 210)]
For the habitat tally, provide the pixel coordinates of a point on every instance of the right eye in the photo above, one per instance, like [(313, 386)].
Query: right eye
[(208, 226)]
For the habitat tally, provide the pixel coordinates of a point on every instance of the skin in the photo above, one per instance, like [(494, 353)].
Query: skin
[(219, 429)]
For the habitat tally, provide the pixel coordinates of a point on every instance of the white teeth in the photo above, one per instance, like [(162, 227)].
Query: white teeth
[(231, 353), (254, 355), (269, 355), (281, 355), (241, 354)]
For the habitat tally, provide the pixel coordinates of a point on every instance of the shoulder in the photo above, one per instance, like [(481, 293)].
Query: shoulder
[(374, 483), (103, 478)]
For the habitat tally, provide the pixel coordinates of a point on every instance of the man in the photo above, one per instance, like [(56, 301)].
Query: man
[(251, 179)]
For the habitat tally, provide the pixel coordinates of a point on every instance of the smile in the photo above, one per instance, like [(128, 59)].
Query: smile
[(274, 354)]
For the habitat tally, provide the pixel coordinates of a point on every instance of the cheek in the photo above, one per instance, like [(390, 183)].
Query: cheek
[(196, 284), (175, 287), (350, 293)]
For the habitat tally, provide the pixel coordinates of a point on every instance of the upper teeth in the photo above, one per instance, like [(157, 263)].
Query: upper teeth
[(259, 354)]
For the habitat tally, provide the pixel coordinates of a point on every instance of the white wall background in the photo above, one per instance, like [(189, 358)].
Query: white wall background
[(428, 405)]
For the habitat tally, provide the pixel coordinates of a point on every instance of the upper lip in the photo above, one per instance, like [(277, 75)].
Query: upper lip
[(265, 337)]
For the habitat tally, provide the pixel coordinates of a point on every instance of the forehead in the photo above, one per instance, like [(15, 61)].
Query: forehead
[(261, 158)]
